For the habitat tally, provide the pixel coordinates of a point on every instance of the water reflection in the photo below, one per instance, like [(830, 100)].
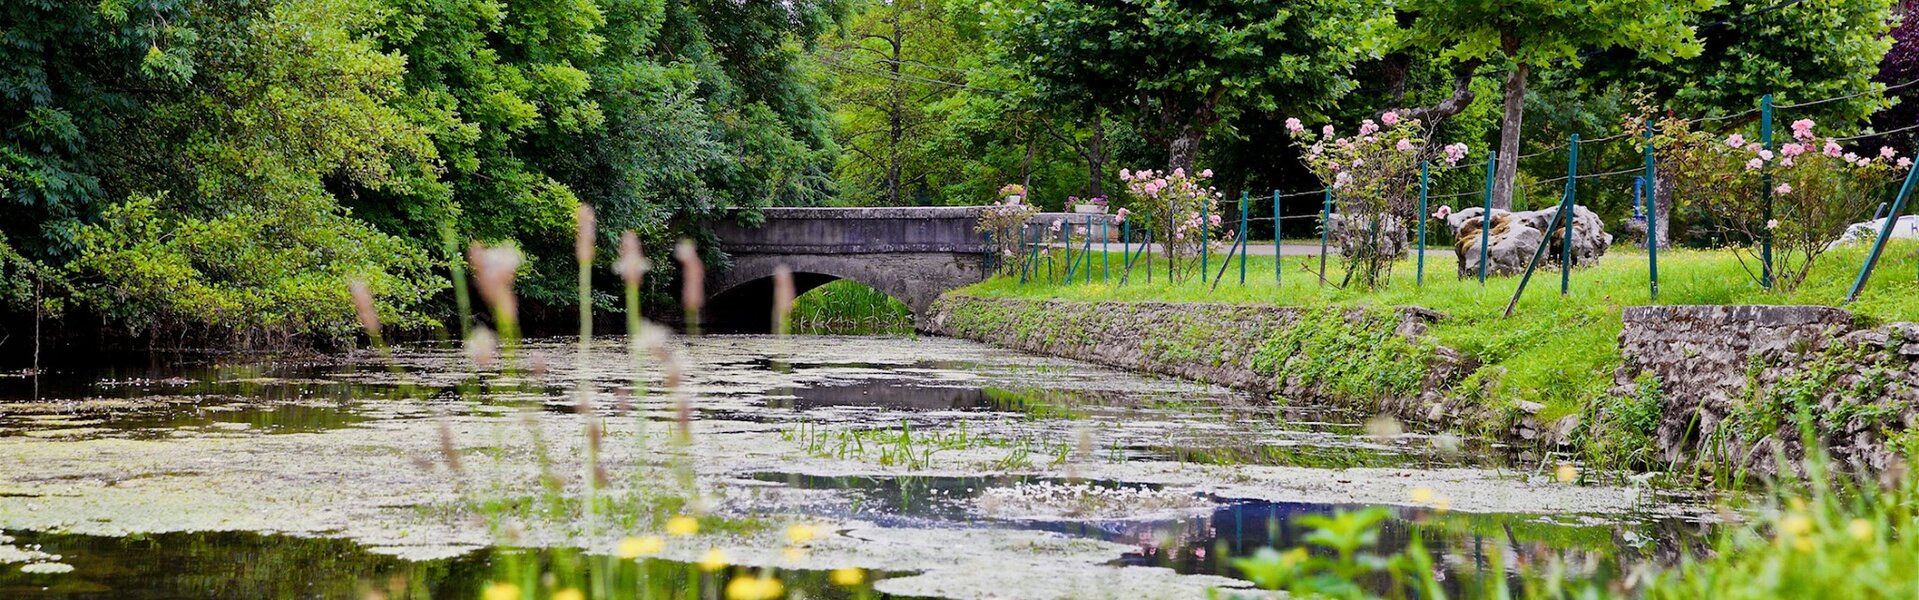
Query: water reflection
[(1467, 547), (238, 565)]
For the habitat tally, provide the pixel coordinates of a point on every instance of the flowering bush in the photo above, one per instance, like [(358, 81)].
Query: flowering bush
[(1004, 222), (1181, 209), (1818, 188), (1372, 174)]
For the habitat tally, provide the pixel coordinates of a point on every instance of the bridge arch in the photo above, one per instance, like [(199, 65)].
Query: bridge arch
[(911, 254)]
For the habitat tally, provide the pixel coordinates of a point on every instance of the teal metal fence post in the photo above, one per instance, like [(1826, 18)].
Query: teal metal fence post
[(1087, 251), (1652, 218), (1066, 247), (1572, 195), (1105, 250), (1205, 238), (1277, 255), (1242, 237), (1419, 271), (1885, 233), (1025, 262), (1486, 215), (986, 253), (1325, 230), (1561, 215), (1765, 193)]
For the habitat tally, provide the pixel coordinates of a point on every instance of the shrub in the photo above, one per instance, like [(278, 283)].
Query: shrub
[(1817, 189), (1180, 208), (1372, 175)]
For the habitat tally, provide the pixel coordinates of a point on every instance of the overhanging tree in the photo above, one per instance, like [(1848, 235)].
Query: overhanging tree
[(1529, 33), (1176, 69)]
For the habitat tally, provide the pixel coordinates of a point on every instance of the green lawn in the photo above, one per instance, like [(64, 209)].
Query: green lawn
[(1558, 351)]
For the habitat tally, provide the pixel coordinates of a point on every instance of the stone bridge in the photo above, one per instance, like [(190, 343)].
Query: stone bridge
[(912, 254)]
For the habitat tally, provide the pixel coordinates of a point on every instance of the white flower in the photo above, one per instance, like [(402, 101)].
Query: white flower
[(1773, 224)]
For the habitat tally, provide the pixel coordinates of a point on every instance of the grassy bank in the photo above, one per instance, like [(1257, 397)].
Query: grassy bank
[(1557, 351)]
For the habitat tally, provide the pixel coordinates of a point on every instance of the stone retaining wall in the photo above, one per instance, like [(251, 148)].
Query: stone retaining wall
[(1731, 379), (1376, 360)]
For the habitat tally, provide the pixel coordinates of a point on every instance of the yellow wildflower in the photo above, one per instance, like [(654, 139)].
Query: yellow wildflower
[(682, 525), (569, 594), (801, 533), (1795, 524), (500, 590), (1423, 495), (1860, 530), (1568, 473), (714, 560), (754, 588), (849, 576), (635, 547)]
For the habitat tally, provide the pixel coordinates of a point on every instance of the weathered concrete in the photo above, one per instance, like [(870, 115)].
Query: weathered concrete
[(1717, 366), (913, 254)]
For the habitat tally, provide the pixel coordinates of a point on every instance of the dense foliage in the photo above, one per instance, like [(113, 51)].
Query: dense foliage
[(194, 170), (221, 168)]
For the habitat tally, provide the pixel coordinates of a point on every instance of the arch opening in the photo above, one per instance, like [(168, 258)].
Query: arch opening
[(824, 304)]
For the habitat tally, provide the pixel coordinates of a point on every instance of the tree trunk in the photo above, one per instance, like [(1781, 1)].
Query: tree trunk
[(1183, 151), (1509, 136), (895, 121), (1096, 157), (1026, 166)]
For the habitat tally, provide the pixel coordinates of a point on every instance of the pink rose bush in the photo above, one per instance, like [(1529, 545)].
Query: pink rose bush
[(1373, 175), (1171, 205), (1814, 185), (1004, 222)]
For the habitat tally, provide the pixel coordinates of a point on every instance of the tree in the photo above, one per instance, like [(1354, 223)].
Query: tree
[(1797, 51), (891, 63), (1174, 70), (1529, 33)]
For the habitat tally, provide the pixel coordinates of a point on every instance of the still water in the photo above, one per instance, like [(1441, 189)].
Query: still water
[(345, 476)]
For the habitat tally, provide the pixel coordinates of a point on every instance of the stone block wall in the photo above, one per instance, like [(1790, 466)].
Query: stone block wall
[(1732, 379), (1377, 359)]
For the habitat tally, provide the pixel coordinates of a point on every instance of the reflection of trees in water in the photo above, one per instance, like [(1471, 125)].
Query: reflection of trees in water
[(236, 565), (1467, 548)]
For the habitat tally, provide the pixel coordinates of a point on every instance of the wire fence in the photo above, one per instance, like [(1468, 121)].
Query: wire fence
[(1644, 196)]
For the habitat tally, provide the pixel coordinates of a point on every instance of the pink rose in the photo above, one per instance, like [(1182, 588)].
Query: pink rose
[(1404, 145), (1784, 188), (1755, 164), (1326, 131), (1904, 162), (1390, 118), (1179, 172), (1833, 150), (1735, 140), (1206, 174), (1215, 220), (1125, 174), (1802, 129), (1367, 127), (1791, 150), (1765, 154), (1887, 152), (1294, 127)]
